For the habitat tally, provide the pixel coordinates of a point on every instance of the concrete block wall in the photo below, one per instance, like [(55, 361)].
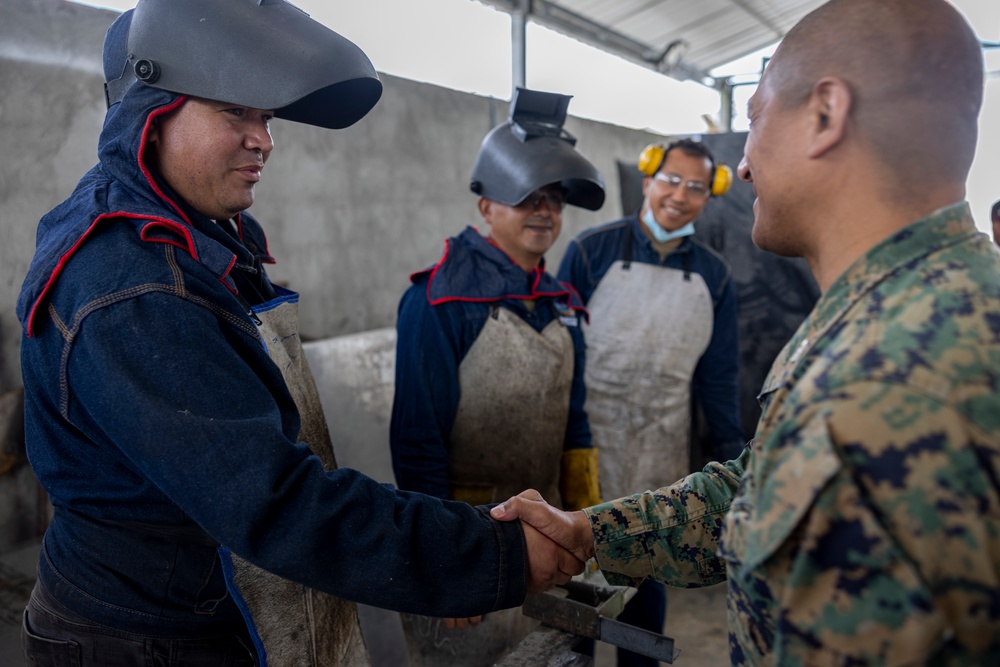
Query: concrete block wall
[(355, 377), (350, 213)]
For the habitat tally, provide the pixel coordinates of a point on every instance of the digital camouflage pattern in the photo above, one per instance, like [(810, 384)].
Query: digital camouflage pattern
[(866, 526)]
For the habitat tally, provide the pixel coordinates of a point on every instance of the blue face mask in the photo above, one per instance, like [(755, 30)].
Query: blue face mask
[(661, 234)]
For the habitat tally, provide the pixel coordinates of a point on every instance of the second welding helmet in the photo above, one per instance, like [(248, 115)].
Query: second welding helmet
[(532, 150), (263, 54)]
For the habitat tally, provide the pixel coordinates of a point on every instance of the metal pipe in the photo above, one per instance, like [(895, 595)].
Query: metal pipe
[(518, 44), (725, 88)]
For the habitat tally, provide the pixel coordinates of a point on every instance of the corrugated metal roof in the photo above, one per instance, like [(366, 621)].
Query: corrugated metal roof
[(685, 39)]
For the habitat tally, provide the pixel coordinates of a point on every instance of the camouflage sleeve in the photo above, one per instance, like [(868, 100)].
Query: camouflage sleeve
[(670, 534)]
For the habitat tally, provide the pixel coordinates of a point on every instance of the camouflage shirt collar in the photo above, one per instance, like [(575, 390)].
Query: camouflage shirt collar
[(942, 228)]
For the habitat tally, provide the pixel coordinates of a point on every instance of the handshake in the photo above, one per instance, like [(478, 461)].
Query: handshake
[(558, 543)]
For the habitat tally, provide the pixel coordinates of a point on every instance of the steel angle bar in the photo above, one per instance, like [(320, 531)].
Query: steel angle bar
[(585, 620)]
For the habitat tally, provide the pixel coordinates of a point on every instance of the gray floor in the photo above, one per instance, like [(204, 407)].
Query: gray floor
[(382, 629), (696, 619), (17, 576)]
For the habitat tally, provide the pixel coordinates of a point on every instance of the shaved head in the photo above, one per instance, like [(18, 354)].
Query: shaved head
[(915, 69)]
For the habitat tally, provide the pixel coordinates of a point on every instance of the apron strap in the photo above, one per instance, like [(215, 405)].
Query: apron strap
[(627, 254), (627, 247)]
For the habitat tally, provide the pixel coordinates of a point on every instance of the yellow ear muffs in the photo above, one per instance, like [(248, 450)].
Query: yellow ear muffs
[(650, 159), (723, 180)]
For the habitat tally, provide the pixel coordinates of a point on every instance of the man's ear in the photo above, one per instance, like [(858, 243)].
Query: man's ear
[(153, 135), (485, 206), (829, 112), (645, 185)]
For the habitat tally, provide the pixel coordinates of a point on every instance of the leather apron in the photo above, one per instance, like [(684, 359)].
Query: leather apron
[(298, 626), (510, 426), (649, 327), (508, 436)]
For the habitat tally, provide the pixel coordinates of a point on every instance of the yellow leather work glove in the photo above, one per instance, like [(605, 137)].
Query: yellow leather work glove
[(578, 482)]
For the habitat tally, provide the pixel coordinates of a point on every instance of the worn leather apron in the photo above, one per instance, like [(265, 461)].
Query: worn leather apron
[(298, 626), (508, 436), (649, 326)]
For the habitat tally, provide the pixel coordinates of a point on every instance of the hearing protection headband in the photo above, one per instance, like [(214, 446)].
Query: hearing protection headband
[(653, 155)]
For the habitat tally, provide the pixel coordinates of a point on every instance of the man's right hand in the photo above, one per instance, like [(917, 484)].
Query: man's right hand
[(548, 563), (570, 530)]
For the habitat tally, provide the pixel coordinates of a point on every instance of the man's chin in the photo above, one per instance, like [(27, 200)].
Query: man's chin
[(241, 205), (542, 239), (758, 233), (772, 243)]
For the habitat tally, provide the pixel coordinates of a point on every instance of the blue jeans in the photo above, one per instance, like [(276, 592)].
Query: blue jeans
[(52, 636)]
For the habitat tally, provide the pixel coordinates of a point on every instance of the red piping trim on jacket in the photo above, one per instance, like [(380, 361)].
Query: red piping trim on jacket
[(145, 170), (173, 242), (447, 249), (268, 259), (534, 287), (156, 188), (582, 309), (169, 224), (173, 226), (61, 264), (222, 278)]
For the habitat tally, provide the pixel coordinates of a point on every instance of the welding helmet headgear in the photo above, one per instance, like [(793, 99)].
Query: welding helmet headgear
[(532, 150), (262, 54)]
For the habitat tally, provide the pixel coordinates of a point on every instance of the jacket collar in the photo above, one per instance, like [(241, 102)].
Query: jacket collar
[(121, 189), (900, 252), (474, 269)]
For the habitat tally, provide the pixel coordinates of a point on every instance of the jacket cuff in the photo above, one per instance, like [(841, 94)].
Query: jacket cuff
[(512, 569)]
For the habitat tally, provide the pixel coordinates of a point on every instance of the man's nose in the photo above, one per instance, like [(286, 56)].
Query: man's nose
[(743, 170), (258, 137), (680, 193)]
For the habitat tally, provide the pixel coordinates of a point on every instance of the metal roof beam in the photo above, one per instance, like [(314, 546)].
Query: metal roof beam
[(759, 17), (565, 21)]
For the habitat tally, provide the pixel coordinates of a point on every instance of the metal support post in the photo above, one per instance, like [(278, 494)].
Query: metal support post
[(518, 43)]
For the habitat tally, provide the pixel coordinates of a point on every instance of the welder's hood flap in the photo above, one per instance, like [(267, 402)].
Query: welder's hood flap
[(264, 54)]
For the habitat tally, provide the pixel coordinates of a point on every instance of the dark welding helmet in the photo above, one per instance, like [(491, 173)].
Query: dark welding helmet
[(532, 150), (263, 54)]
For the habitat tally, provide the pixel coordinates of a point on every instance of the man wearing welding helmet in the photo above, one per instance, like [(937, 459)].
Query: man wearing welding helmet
[(490, 357), (199, 518), (662, 329)]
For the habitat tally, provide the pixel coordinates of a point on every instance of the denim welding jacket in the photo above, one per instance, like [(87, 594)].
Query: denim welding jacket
[(161, 429), (440, 317), (715, 385)]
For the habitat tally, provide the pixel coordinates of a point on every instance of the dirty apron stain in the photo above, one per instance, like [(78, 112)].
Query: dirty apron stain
[(649, 326), (508, 436), (299, 626)]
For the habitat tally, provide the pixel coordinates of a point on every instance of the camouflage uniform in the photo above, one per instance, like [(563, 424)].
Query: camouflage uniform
[(866, 528)]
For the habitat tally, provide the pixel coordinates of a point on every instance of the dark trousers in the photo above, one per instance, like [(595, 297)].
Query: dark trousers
[(647, 610), (52, 636)]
